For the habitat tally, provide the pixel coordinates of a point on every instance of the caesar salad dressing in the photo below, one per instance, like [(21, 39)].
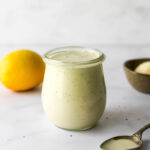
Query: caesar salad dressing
[(74, 97), (120, 144)]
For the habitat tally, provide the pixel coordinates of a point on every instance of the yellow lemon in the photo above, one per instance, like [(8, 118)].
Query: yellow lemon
[(21, 70)]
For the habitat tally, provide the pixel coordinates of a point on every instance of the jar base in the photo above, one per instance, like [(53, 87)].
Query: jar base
[(81, 129)]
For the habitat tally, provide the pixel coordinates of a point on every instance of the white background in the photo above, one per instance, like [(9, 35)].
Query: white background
[(121, 28), (75, 22)]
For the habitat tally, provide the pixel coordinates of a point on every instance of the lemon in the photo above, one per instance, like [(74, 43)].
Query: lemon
[(143, 68), (21, 70)]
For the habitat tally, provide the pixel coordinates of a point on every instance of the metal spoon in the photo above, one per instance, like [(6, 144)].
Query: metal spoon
[(136, 137)]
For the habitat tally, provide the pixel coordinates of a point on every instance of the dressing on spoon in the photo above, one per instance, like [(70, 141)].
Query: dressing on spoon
[(125, 142), (120, 144)]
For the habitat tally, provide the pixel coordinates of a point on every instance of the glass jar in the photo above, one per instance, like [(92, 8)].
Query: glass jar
[(73, 92)]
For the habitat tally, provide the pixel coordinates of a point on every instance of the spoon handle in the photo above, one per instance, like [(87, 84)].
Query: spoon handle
[(139, 133)]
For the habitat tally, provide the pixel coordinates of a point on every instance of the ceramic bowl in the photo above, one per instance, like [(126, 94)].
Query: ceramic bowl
[(140, 82)]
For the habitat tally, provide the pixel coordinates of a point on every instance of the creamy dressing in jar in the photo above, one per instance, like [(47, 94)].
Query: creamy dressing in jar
[(73, 93)]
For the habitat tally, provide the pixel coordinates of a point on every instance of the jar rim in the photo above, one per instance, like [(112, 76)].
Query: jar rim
[(96, 60)]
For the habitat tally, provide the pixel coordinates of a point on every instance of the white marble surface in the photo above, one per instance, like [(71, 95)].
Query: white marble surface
[(23, 124), (75, 22)]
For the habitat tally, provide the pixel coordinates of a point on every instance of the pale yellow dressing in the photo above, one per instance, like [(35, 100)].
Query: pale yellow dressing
[(120, 144), (75, 55), (74, 98)]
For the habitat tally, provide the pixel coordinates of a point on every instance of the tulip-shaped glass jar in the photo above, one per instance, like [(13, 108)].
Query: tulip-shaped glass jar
[(73, 92)]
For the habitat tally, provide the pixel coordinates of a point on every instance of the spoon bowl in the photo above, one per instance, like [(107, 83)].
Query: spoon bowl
[(132, 138)]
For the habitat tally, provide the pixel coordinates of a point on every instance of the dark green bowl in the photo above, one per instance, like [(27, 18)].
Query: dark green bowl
[(140, 82)]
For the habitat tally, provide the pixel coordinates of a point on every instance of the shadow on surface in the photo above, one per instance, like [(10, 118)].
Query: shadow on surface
[(115, 119), (146, 145), (31, 91)]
